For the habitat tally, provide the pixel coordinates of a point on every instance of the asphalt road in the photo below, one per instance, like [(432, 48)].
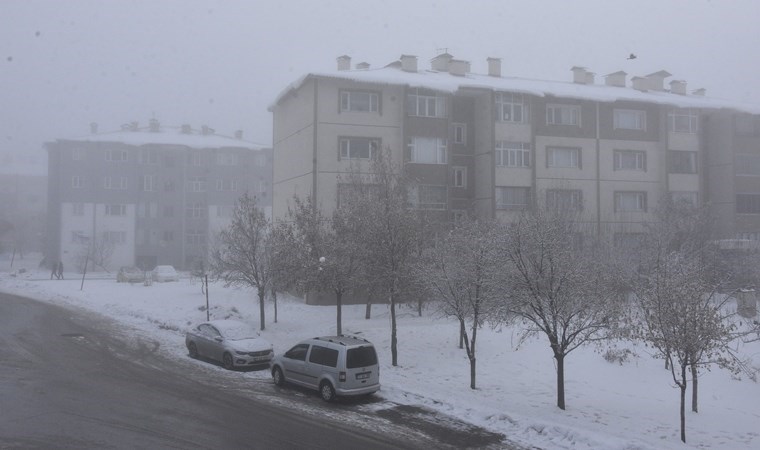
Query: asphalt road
[(71, 379)]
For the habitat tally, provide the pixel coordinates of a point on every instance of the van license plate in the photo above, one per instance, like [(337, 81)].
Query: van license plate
[(363, 375)]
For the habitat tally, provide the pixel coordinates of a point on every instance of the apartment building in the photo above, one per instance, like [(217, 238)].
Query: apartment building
[(155, 195), (489, 145)]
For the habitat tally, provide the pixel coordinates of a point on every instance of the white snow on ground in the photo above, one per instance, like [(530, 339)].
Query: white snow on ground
[(609, 406)]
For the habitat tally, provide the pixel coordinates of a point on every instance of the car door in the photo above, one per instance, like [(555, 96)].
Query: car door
[(215, 343), (204, 340), (322, 360), (293, 362)]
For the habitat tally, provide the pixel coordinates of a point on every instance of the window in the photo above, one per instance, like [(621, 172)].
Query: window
[(630, 201), (460, 176), (149, 210), (77, 154), (116, 210), (116, 155), (629, 119), (747, 164), (110, 183), (683, 120), (429, 197), (563, 157), (227, 185), (682, 162), (563, 115), (748, 203), (460, 133), (744, 124), (77, 182), (323, 356), (688, 197), (512, 154), (225, 210), (195, 237), (79, 237), (630, 160), (149, 182), (298, 352), (359, 101), (148, 156), (427, 150), (564, 200), (512, 198), (195, 158), (194, 210), (226, 159), (358, 148), (425, 105), (169, 186), (511, 107), (77, 209), (115, 237), (363, 356), (196, 184)]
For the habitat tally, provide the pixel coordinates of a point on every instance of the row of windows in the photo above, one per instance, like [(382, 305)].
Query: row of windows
[(150, 210), (149, 183), (518, 198), (143, 237), (151, 157)]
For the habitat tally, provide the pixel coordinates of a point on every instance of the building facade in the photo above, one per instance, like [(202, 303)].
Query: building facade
[(488, 145), (23, 193), (150, 195)]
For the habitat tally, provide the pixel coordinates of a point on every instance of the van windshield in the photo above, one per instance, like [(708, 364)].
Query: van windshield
[(361, 357)]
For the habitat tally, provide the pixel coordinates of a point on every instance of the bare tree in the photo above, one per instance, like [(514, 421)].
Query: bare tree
[(241, 257), (557, 285), (98, 251), (461, 272)]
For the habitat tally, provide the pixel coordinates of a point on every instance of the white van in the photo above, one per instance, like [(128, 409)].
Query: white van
[(333, 365)]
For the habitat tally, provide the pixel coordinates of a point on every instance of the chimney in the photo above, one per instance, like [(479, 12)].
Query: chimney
[(678, 87), (494, 67), (640, 83), (579, 74), (408, 63), (93, 128), (344, 62), (239, 134), (700, 92), (154, 125), (186, 129), (657, 79), (615, 79), (459, 67), (362, 66), (134, 126), (441, 62)]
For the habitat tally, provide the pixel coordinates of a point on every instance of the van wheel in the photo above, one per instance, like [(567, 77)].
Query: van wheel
[(327, 391), (277, 377), (227, 361)]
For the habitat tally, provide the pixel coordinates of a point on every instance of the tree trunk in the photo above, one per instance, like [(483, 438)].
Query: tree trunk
[(682, 385), (274, 300), (262, 293), (694, 388), (368, 309), (560, 380), (461, 335), (394, 349), (339, 312), (667, 359), (419, 307), (472, 372)]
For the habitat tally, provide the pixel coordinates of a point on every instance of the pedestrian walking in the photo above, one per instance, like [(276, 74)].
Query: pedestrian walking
[(54, 271), (60, 270)]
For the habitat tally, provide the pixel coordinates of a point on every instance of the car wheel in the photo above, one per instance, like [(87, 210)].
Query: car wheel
[(193, 350), (327, 391), (227, 361), (277, 376)]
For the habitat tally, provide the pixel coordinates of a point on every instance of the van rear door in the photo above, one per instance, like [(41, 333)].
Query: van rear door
[(362, 369)]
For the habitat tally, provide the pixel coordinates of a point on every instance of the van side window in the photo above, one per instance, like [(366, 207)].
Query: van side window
[(298, 352), (361, 357), (323, 356)]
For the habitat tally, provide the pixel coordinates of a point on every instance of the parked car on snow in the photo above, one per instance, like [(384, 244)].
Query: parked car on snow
[(129, 274), (333, 365), (165, 273), (231, 342)]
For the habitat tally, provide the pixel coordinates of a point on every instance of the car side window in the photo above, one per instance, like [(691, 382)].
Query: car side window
[(214, 333), (323, 356), (298, 352)]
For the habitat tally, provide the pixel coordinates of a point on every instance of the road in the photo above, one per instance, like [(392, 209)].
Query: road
[(71, 379)]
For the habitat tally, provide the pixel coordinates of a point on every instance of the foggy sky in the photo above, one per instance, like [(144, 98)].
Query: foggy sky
[(66, 63)]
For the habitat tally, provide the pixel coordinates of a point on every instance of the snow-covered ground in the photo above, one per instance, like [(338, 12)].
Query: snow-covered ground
[(609, 406)]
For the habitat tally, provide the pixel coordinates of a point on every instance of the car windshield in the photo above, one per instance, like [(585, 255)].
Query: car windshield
[(238, 331)]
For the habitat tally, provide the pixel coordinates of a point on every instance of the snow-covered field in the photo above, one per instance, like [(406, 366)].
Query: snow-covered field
[(609, 406)]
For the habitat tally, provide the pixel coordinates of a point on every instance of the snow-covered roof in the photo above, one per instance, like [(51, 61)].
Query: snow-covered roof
[(445, 82), (168, 136)]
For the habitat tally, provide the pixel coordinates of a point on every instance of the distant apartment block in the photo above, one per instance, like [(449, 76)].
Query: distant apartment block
[(489, 145), (156, 195)]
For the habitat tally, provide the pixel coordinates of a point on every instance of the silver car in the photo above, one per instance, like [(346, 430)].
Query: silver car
[(233, 343)]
